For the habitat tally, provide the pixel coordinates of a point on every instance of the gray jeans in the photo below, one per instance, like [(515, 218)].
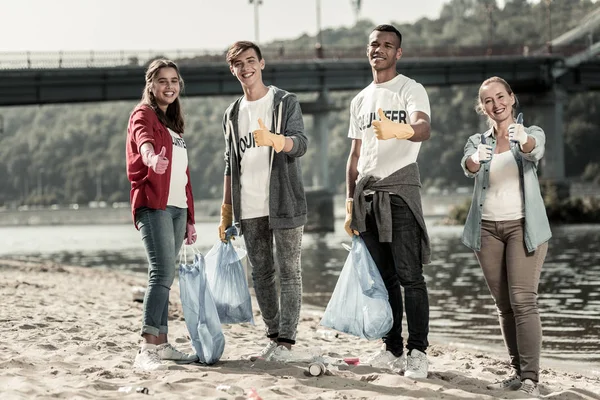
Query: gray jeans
[(280, 313), (513, 275)]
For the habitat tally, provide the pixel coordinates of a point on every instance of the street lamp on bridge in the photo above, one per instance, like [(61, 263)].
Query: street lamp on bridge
[(549, 22), (256, 4)]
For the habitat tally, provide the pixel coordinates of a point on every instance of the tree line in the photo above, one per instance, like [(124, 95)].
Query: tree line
[(61, 154)]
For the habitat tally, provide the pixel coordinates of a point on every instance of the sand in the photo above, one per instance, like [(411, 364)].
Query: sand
[(72, 332)]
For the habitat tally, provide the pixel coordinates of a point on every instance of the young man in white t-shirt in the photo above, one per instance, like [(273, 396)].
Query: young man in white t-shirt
[(388, 121), (263, 193)]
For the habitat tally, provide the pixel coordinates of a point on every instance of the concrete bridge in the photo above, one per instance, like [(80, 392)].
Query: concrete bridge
[(541, 81)]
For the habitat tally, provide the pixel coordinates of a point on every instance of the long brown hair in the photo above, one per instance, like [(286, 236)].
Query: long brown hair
[(173, 118), (479, 106)]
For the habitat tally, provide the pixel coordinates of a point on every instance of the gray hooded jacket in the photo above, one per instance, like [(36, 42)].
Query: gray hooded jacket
[(287, 200)]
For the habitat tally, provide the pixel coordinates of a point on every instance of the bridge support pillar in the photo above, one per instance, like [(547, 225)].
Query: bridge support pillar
[(319, 196), (547, 111)]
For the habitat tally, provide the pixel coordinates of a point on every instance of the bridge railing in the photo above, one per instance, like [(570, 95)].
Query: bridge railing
[(103, 59)]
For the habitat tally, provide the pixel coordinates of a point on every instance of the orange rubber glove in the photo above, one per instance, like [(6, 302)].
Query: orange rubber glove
[(348, 221), (386, 129), (226, 220), (264, 137)]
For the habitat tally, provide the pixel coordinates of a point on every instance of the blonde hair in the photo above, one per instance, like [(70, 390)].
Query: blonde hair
[(479, 106)]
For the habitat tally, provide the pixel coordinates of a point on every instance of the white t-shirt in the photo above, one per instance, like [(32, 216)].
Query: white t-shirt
[(179, 163), (255, 168), (398, 98), (503, 200)]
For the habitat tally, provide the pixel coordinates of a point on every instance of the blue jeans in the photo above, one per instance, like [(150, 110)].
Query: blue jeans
[(399, 263), (162, 234)]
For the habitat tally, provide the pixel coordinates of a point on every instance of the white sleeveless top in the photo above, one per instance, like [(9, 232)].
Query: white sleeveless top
[(503, 200)]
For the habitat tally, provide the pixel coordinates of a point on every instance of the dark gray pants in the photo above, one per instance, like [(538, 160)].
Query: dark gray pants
[(281, 314), (399, 264), (513, 275)]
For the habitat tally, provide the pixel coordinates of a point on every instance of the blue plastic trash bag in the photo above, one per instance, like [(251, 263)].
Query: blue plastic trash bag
[(359, 304), (228, 282), (200, 312)]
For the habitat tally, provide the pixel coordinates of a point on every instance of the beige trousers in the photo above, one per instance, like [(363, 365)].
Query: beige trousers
[(512, 275)]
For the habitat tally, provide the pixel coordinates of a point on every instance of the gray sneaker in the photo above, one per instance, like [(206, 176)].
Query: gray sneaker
[(530, 388), (265, 352), (513, 382), (386, 360), (147, 359), (417, 365), (166, 351)]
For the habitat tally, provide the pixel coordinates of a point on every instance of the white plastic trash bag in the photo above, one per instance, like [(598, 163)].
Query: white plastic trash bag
[(200, 312), (228, 282), (359, 304)]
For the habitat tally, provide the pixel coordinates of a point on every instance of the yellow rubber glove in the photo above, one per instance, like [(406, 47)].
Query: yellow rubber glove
[(263, 137), (226, 220), (348, 221), (386, 129)]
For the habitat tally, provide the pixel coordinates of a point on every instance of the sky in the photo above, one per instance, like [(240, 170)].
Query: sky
[(72, 25)]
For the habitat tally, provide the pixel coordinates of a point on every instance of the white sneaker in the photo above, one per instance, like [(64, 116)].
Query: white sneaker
[(166, 351), (386, 360), (281, 354), (513, 382), (416, 365), (530, 387), (147, 359), (265, 352)]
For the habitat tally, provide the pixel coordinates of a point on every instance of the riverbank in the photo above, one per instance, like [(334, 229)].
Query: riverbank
[(434, 206), (72, 332)]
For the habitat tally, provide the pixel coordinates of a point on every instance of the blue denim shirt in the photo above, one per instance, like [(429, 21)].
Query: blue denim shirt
[(537, 227)]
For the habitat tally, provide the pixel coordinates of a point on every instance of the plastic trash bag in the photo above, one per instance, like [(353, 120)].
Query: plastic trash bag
[(200, 312), (359, 304), (228, 282)]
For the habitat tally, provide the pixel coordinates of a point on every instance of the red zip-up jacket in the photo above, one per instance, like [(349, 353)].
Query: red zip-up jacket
[(149, 189)]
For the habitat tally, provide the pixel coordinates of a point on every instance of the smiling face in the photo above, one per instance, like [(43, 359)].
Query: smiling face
[(383, 50), (247, 68), (496, 101), (165, 87)]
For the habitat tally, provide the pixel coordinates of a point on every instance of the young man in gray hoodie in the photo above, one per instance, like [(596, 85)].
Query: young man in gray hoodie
[(263, 194)]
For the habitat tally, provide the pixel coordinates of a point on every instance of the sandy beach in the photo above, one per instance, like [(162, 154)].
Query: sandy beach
[(72, 332)]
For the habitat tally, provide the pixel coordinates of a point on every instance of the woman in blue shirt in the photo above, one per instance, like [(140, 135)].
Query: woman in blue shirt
[(507, 226)]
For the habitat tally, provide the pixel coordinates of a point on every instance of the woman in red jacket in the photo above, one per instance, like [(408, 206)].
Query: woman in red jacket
[(161, 202)]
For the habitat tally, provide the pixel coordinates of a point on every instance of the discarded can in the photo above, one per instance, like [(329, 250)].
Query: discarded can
[(131, 389), (316, 369)]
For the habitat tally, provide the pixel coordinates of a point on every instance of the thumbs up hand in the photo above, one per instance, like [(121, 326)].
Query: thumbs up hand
[(263, 137), (483, 154), (516, 131), (386, 129), (157, 162)]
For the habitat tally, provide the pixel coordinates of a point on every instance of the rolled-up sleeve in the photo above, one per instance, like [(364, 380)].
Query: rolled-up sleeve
[(540, 144), (142, 127), (470, 149)]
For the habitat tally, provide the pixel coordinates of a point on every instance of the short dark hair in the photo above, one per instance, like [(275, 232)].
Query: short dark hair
[(390, 28), (239, 47)]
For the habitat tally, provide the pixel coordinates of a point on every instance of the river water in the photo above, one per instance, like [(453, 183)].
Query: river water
[(462, 310)]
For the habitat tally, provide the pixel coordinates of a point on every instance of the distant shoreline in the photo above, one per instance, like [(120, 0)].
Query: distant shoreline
[(206, 211), (434, 206)]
